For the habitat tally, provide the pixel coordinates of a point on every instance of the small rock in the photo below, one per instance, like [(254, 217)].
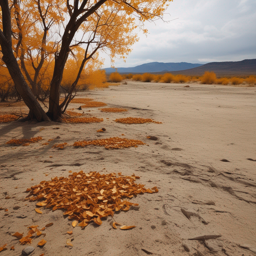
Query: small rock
[(164, 223), (16, 207), (152, 138), (224, 160), (80, 108), (63, 170), (153, 227), (185, 247), (28, 250), (22, 216)]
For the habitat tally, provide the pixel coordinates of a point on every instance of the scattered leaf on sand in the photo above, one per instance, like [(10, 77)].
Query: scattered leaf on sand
[(26, 239), (18, 235), (127, 227), (41, 204), (69, 242), (115, 224), (41, 254), (38, 211), (42, 229), (41, 243), (74, 223), (97, 220), (49, 225), (3, 248), (12, 248), (70, 232), (38, 233)]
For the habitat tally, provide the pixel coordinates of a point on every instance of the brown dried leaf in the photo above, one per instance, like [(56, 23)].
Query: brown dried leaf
[(127, 227), (41, 204), (38, 210), (41, 243), (49, 225), (69, 242), (114, 225), (12, 248), (74, 223), (18, 235), (3, 247), (70, 232)]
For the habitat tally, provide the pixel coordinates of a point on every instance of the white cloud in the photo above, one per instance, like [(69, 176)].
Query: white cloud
[(198, 31)]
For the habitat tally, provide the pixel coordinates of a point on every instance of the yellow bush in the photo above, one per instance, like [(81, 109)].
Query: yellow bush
[(137, 78), (208, 78), (127, 76), (180, 79), (223, 81), (251, 80), (236, 80), (157, 78), (147, 77), (115, 77), (167, 78)]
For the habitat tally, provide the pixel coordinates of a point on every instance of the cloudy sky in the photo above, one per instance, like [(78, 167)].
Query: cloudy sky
[(198, 31)]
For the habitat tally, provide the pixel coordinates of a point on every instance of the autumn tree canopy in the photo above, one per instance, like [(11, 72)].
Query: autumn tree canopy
[(36, 34)]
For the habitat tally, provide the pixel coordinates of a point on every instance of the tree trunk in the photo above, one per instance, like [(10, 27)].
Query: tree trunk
[(22, 87)]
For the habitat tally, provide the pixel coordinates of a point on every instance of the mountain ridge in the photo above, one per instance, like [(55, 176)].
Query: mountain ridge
[(225, 68)]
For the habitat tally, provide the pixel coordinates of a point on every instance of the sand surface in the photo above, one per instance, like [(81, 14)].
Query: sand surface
[(199, 162)]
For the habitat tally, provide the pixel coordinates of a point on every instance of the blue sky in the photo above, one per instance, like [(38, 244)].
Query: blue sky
[(198, 31)]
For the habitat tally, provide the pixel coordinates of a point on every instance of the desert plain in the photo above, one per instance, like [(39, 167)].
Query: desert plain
[(202, 158)]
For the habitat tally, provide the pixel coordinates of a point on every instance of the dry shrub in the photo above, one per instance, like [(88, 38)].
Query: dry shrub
[(72, 113), (180, 79), (208, 78), (147, 77), (223, 81), (8, 118), (127, 76), (82, 120), (81, 100), (167, 78), (157, 78), (251, 80), (113, 110), (135, 120), (110, 143), (23, 141), (236, 80), (94, 104), (137, 78), (115, 77), (88, 197)]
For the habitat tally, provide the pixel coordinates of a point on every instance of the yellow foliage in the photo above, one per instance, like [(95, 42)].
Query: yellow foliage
[(208, 78), (137, 78), (223, 81), (147, 77), (251, 80), (167, 78), (236, 80), (115, 77), (180, 79)]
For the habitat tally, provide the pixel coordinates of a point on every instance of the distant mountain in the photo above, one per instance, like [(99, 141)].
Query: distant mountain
[(230, 68), (153, 67)]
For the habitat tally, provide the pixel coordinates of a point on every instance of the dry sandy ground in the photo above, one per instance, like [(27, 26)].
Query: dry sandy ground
[(202, 125)]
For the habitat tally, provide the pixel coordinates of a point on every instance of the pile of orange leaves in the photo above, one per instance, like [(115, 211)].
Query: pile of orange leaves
[(110, 143), (114, 110), (24, 142), (7, 118), (60, 145), (135, 120), (73, 113), (83, 120), (88, 197), (81, 100), (93, 104)]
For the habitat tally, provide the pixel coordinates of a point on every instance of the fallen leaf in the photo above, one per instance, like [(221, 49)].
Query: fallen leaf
[(97, 220), (114, 225), (127, 227), (49, 225), (38, 233), (43, 228), (41, 204), (41, 243), (3, 248), (74, 223), (6, 210), (70, 232), (18, 235), (12, 248), (38, 210), (69, 242), (41, 254)]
